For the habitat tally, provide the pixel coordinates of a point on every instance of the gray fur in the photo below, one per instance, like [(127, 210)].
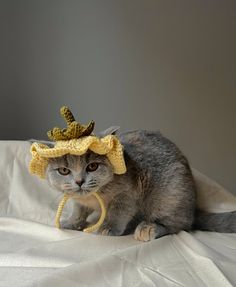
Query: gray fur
[(220, 222), (155, 197)]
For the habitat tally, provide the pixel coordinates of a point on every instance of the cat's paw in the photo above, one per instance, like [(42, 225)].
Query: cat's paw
[(109, 231), (146, 231), (106, 232), (80, 225)]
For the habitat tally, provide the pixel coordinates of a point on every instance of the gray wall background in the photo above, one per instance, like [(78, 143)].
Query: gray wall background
[(166, 65)]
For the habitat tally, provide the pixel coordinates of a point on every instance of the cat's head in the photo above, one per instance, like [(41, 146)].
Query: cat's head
[(79, 175)]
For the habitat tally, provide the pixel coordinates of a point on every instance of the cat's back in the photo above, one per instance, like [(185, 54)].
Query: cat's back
[(148, 142), (150, 149)]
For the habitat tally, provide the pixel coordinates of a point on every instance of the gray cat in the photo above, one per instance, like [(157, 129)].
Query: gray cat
[(155, 197)]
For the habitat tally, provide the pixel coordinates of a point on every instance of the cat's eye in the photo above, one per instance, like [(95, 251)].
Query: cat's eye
[(63, 170), (92, 167)]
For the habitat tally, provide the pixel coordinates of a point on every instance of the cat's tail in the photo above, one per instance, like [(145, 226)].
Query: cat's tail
[(219, 222)]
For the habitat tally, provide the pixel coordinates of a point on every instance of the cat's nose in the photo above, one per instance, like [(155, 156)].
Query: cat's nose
[(80, 182)]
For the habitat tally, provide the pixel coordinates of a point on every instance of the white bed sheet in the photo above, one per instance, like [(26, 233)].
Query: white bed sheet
[(34, 253)]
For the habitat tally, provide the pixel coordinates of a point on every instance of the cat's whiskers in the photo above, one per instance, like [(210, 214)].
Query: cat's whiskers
[(92, 183), (66, 186)]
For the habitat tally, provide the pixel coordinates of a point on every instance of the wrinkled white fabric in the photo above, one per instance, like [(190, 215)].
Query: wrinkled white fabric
[(34, 253)]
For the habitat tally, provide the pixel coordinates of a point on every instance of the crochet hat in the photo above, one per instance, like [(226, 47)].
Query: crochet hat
[(76, 139)]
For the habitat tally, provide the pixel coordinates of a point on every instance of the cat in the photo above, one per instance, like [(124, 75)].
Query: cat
[(154, 198)]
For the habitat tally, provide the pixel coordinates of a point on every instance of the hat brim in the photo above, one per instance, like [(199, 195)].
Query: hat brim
[(108, 145)]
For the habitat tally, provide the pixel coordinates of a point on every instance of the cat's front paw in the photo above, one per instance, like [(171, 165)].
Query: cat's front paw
[(109, 231), (146, 231), (80, 225)]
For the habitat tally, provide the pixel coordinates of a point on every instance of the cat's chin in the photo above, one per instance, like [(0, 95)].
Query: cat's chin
[(78, 193)]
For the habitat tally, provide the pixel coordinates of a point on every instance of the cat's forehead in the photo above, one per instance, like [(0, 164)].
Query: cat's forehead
[(68, 160)]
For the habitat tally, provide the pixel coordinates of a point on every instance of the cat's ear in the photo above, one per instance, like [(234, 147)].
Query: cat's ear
[(110, 131), (48, 143)]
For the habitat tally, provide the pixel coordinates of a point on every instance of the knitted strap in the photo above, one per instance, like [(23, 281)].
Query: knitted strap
[(60, 208), (102, 216), (90, 228)]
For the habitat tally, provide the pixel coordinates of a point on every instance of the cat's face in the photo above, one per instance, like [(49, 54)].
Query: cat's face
[(79, 174)]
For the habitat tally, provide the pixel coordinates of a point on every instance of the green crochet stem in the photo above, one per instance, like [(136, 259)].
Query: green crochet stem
[(74, 129)]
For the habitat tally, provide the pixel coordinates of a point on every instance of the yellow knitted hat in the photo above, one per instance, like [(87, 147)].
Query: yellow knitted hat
[(76, 139)]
